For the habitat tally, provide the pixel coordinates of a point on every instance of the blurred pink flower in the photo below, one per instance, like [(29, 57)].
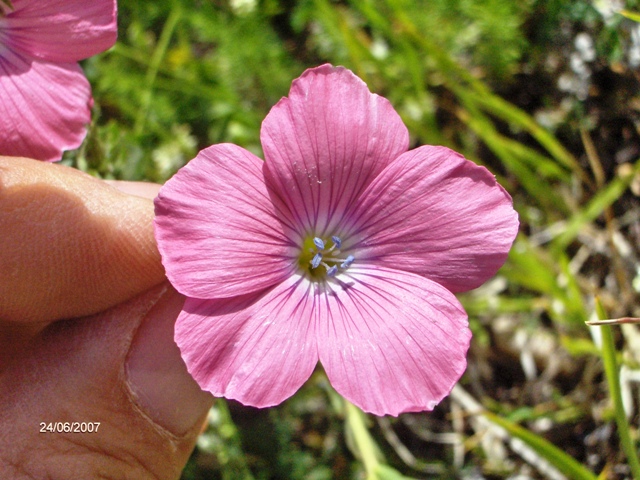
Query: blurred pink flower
[(45, 99), (342, 247)]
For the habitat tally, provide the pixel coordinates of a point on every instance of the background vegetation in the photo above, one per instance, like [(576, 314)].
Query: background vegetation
[(545, 94)]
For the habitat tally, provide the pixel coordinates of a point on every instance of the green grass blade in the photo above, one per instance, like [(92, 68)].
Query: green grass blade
[(566, 464), (635, 16), (385, 472), (515, 116), (613, 380), (519, 161), (154, 65), (603, 199)]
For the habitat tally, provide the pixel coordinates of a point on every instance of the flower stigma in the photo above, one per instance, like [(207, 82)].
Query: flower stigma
[(320, 258)]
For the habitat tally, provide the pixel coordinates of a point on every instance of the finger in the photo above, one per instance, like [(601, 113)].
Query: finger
[(70, 245), (120, 369)]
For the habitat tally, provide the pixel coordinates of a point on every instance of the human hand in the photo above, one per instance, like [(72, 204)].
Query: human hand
[(86, 332)]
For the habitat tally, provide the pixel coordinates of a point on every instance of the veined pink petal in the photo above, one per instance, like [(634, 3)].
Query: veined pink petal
[(391, 341), (60, 30), (258, 349), (216, 227), (45, 107), (434, 213), (325, 143)]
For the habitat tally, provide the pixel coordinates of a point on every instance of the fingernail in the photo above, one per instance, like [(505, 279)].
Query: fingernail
[(157, 375)]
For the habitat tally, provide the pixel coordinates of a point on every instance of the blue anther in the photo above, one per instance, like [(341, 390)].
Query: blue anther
[(331, 271), (347, 263), (336, 241), (318, 243), (317, 258)]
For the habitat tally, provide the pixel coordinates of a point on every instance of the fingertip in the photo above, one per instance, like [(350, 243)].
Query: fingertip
[(71, 244)]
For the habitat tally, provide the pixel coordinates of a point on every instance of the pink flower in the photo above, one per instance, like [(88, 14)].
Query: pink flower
[(45, 99), (341, 247)]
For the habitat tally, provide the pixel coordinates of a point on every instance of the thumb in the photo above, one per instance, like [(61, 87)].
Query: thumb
[(70, 245), (103, 396)]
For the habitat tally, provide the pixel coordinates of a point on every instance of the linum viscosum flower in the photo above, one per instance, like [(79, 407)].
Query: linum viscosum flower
[(342, 247), (45, 99)]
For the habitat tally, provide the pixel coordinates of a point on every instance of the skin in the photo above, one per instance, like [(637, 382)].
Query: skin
[(86, 331)]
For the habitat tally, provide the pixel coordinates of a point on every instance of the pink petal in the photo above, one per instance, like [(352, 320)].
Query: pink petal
[(434, 213), (60, 30), (325, 143), (45, 107), (392, 342), (257, 349), (216, 227)]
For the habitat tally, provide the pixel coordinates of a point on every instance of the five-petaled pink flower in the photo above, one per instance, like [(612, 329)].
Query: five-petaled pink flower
[(341, 247), (45, 99)]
